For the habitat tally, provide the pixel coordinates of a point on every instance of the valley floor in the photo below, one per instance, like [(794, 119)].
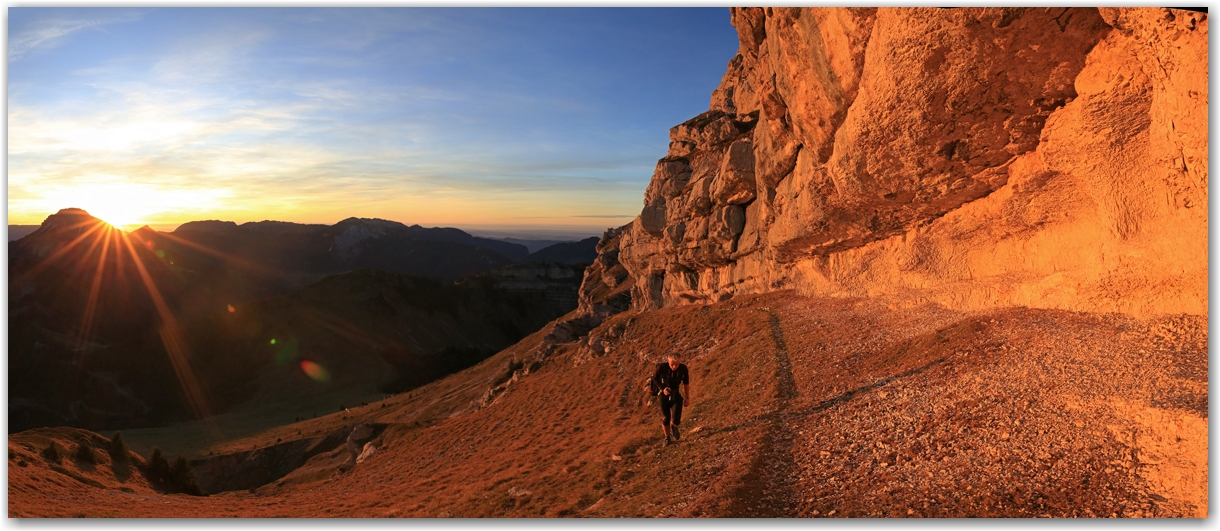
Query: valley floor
[(801, 407)]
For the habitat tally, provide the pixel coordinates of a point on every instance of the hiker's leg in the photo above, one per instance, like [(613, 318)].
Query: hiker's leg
[(677, 418), (665, 405)]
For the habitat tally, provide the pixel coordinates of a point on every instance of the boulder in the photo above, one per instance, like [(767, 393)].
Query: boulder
[(734, 184)]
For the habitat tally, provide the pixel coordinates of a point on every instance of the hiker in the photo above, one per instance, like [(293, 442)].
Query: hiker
[(672, 385)]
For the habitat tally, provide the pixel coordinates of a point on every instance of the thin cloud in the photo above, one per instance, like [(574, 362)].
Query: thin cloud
[(217, 56), (51, 32)]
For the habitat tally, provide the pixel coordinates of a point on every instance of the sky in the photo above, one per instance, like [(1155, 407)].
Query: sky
[(475, 118)]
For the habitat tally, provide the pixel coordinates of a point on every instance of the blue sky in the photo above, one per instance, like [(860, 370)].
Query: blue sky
[(506, 117)]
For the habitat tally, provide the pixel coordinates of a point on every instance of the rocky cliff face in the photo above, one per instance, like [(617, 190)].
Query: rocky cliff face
[(974, 157)]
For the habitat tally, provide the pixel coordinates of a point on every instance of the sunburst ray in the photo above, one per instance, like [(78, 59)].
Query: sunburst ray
[(62, 251), (87, 320), (175, 344)]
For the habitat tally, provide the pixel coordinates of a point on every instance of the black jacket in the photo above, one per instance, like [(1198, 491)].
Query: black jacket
[(666, 378)]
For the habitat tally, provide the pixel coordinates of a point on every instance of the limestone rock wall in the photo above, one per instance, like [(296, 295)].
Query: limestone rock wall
[(975, 157)]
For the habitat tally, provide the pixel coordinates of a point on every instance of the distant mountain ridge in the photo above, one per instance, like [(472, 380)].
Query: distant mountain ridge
[(87, 344), (569, 251), (581, 252), (349, 242), (533, 245)]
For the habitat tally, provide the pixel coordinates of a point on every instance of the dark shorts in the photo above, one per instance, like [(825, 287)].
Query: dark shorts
[(671, 406)]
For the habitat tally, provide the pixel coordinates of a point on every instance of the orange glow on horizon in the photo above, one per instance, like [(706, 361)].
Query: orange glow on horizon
[(118, 201), (131, 216)]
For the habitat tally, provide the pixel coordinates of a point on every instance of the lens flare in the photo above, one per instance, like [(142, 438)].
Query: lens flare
[(286, 351), (273, 341), (315, 371)]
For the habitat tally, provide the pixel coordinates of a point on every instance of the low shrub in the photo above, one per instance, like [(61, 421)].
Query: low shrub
[(53, 452), (85, 452), (176, 478)]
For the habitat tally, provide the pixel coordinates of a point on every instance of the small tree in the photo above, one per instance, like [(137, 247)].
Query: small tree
[(183, 478), (84, 452), (158, 466), (53, 452), (118, 449)]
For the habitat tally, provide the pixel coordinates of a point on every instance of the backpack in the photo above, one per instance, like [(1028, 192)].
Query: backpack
[(653, 390)]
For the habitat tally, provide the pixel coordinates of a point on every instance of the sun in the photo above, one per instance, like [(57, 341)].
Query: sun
[(122, 203), (118, 212), (115, 217)]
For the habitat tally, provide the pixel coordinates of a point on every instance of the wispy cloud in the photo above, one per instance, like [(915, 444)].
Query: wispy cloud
[(217, 56), (50, 32)]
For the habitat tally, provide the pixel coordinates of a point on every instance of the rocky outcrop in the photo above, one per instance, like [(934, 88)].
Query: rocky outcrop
[(360, 433), (250, 469), (606, 287), (974, 157)]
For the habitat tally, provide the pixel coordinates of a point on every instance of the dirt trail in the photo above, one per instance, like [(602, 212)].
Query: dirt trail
[(773, 479), (786, 385)]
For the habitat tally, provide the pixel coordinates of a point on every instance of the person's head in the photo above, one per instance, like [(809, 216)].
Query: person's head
[(673, 361)]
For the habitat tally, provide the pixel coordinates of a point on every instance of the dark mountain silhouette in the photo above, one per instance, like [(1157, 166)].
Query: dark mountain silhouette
[(126, 330), (581, 252), (82, 322), (353, 243)]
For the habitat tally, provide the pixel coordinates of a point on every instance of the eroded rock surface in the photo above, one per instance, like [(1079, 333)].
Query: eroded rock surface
[(974, 157)]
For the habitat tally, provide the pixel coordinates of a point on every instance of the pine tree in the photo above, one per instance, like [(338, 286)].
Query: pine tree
[(158, 466), (183, 478), (118, 449)]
